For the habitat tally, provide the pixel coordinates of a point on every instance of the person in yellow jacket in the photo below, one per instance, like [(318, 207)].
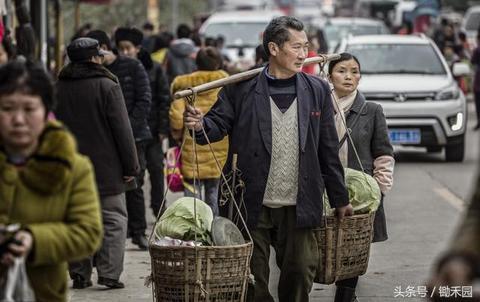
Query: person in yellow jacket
[(209, 63), (46, 186)]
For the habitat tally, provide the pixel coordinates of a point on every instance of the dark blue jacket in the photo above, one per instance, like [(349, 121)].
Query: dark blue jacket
[(136, 92), (158, 120), (243, 112)]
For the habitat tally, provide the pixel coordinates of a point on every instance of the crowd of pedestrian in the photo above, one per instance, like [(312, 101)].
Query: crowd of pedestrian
[(456, 48)]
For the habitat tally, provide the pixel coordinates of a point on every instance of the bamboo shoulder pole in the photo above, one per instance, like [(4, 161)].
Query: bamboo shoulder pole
[(244, 76)]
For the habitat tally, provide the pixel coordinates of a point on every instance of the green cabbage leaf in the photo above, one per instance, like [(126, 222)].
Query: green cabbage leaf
[(182, 220), (363, 193)]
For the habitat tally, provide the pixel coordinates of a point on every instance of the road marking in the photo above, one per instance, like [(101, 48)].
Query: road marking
[(451, 198)]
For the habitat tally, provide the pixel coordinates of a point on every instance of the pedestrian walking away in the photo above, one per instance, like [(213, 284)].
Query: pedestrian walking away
[(137, 95), (91, 104), (459, 266), (180, 58), (129, 41), (46, 186), (367, 126), (207, 177), (476, 80), (281, 126)]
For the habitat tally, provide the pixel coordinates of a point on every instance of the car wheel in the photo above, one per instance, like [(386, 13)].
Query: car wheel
[(455, 152), (434, 149)]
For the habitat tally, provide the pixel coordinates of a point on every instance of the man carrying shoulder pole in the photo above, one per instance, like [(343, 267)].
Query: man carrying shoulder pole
[(281, 125)]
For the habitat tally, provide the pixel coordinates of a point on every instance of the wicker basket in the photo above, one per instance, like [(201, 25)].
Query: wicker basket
[(207, 273), (344, 248)]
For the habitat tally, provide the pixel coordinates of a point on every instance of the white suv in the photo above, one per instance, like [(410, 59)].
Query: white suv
[(409, 77)]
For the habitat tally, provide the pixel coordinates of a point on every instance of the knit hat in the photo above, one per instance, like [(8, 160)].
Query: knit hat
[(132, 34)]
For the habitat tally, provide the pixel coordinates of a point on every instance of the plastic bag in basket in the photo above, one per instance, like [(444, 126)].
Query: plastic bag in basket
[(174, 174)]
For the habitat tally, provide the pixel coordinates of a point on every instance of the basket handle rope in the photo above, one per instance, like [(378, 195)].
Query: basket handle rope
[(191, 101), (164, 199), (219, 168), (149, 279), (348, 131)]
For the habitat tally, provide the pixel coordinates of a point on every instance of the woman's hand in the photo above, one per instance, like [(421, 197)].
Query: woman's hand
[(21, 248)]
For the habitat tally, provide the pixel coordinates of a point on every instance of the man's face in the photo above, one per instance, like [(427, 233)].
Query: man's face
[(98, 60), (108, 57), (289, 57), (126, 48)]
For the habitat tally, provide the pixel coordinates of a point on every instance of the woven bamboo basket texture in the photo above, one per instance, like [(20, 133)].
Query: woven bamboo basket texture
[(206, 273), (344, 247)]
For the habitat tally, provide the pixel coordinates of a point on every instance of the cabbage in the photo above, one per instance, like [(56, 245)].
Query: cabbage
[(363, 192), (179, 221)]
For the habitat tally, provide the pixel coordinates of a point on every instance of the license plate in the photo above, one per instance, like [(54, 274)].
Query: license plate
[(404, 136)]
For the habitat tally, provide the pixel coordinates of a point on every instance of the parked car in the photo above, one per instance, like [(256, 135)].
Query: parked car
[(335, 29), (410, 78), (471, 24), (307, 10), (242, 31), (231, 5), (384, 9)]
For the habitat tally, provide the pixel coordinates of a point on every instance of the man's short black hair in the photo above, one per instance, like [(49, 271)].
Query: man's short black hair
[(162, 41), (148, 26), (28, 78), (131, 34), (183, 31), (277, 31), (101, 37)]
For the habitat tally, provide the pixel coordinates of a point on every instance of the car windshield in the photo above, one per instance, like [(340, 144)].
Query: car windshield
[(237, 33), (336, 32), (473, 21), (307, 3), (397, 58)]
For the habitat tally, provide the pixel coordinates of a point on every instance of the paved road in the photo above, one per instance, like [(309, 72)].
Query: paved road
[(422, 210)]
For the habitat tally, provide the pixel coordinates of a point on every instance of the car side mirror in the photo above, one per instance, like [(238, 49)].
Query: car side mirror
[(460, 69)]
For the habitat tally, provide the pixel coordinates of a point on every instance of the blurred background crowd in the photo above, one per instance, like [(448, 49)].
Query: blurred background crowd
[(233, 26)]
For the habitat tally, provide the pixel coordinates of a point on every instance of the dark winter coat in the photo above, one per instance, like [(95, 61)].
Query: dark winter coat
[(180, 58), (136, 92), (476, 63), (370, 136), (466, 241), (158, 120), (243, 112), (91, 104)]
